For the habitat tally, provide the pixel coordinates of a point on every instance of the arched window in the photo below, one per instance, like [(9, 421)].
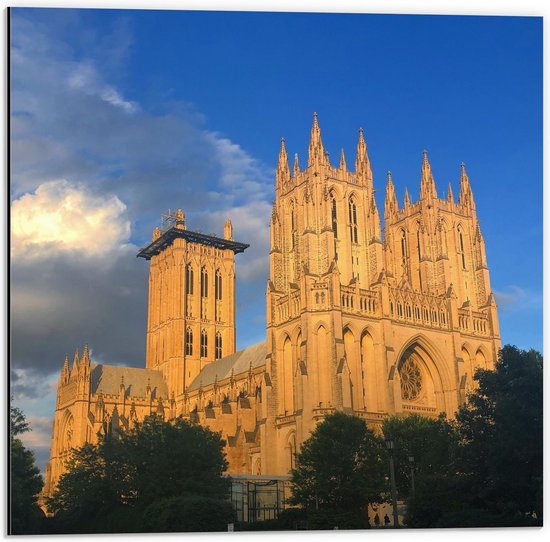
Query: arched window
[(189, 341), (218, 285), (218, 346), (419, 257), (352, 208), (189, 278), (204, 282), (461, 247), (334, 217), (204, 344), (403, 245), (292, 226)]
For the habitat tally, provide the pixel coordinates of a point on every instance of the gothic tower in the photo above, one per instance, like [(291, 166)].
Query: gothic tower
[(191, 318)]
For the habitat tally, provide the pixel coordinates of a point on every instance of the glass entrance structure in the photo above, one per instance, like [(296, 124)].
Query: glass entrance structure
[(259, 498)]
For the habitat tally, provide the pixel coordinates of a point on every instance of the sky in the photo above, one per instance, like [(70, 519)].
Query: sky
[(117, 116)]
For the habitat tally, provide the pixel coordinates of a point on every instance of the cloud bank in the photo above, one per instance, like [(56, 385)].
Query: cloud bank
[(92, 169)]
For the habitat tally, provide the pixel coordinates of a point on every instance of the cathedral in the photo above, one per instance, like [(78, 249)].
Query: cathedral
[(367, 319)]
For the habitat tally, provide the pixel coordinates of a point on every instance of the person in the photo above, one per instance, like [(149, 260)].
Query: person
[(377, 520), (386, 520)]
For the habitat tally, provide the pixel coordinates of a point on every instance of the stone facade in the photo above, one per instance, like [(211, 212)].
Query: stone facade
[(373, 322)]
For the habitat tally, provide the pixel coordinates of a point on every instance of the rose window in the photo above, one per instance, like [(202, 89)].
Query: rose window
[(411, 380)]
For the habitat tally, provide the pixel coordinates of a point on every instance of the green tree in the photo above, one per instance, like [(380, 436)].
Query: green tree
[(341, 468), (430, 442), (500, 434), (168, 459), (25, 480), (108, 486), (490, 474)]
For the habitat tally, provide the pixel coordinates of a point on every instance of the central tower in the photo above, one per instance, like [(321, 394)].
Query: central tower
[(191, 318)]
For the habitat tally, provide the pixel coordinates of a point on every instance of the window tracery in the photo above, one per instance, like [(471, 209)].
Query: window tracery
[(411, 380)]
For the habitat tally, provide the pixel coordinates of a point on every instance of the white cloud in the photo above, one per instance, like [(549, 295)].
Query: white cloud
[(86, 79), (515, 298), (62, 216), (240, 172)]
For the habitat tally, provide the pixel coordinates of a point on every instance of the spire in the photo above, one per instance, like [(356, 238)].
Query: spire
[(283, 171), (74, 370), (362, 163), (390, 207), (376, 216), (466, 197), (343, 166), (406, 199), (86, 355), (228, 230), (65, 370), (296, 165), (427, 183), (450, 197), (316, 151), (84, 366)]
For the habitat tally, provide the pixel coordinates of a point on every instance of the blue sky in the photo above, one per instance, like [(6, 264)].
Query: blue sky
[(119, 115)]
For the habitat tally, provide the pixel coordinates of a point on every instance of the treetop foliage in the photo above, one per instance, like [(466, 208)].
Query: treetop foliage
[(25, 480), (340, 467), (153, 461)]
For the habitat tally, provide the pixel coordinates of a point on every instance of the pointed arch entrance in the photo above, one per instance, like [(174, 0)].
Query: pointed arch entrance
[(421, 381)]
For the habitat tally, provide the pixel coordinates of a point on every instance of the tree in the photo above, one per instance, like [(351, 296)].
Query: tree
[(500, 434), (430, 442), (25, 480), (108, 486), (491, 472), (341, 468)]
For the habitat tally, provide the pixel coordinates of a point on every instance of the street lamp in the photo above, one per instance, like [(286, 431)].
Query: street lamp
[(411, 463), (390, 445)]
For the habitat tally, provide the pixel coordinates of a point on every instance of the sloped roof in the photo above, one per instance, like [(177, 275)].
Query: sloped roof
[(106, 379), (239, 362)]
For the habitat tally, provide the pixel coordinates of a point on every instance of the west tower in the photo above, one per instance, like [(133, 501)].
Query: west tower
[(365, 320), (191, 308)]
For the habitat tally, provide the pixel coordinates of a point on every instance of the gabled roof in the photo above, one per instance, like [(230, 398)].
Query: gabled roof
[(106, 379), (238, 363)]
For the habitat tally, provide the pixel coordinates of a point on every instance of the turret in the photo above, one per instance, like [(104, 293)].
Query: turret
[(466, 197), (450, 197), (362, 163), (391, 206), (427, 183), (65, 371), (296, 165), (228, 230), (85, 362), (316, 152), (406, 200), (282, 175), (74, 370), (343, 166)]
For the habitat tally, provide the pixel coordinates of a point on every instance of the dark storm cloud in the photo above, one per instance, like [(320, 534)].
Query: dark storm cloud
[(58, 304)]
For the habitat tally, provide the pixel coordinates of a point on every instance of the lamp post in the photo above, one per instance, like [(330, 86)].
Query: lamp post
[(411, 463), (390, 445)]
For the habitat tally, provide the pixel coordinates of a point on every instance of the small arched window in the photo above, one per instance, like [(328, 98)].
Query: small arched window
[(352, 208), (204, 282), (189, 278), (461, 247), (218, 285), (218, 346), (334, 216), (189, 342), (403, 244), (204, 344)]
